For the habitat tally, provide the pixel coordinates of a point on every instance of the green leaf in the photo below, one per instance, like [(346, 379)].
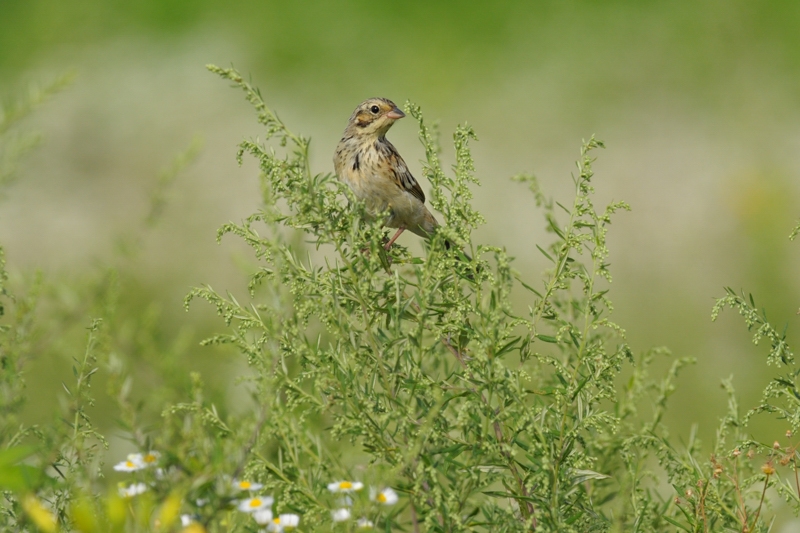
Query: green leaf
[(579, 476), (675, 523), (20, 478), (534, 291), (545, 253), (13, 455)]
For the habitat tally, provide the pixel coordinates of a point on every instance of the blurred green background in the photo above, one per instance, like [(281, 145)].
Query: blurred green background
[(697, 102)]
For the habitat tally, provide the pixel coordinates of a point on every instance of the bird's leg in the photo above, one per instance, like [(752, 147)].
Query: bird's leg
[(389, 244)]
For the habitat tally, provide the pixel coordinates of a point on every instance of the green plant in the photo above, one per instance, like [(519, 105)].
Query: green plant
[(391, 391), (482, 418)]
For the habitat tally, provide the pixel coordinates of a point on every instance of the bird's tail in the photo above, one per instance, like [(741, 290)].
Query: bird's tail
[(448, 245), (428, 227)]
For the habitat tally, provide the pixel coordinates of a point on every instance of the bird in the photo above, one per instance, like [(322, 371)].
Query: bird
[(374, 170)]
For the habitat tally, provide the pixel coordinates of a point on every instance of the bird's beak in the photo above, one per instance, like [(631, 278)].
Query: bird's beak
[(395, 114)]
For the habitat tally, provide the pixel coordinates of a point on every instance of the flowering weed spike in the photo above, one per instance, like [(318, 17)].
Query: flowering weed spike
[(418, 366), (485, 420)]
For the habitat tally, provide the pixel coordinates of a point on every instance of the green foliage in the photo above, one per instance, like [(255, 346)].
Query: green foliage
[(483, 419), (373, 372), (13, 143), (779, 352)]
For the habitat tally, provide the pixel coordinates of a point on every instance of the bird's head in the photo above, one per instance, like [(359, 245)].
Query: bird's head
[(374, 117)]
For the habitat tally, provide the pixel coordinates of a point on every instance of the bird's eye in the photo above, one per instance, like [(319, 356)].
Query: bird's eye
[(374, 109)]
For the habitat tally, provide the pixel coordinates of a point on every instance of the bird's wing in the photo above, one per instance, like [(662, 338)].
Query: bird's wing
[(403, 178)]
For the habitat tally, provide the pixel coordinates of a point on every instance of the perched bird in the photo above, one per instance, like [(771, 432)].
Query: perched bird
[(367, 162)]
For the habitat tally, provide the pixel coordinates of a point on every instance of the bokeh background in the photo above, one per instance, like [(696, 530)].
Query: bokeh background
[(697, 102)]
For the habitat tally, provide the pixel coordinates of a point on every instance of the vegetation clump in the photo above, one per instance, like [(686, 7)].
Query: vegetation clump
[(397, 392)]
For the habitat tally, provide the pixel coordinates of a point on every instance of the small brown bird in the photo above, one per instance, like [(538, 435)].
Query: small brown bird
[(367, 162)]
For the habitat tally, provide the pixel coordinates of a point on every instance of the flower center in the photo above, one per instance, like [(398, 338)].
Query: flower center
[(345, 485), (129, 464), (255, 502), (382, 497), (244, 484), (149, 458)]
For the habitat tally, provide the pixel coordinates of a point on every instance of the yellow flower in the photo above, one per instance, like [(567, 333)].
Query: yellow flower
[(39, 514)]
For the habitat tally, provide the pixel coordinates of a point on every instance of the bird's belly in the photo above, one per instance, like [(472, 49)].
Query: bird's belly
[(381, 195)]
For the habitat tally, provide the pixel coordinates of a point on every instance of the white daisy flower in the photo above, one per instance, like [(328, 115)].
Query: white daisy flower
[(363, 523), (133, 463), (284, 522), (246, 485), (251, 505), (186, 519), (385, 497), (263, 516), (340, 515), (150, 458), (345, 486), (132, 490)]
